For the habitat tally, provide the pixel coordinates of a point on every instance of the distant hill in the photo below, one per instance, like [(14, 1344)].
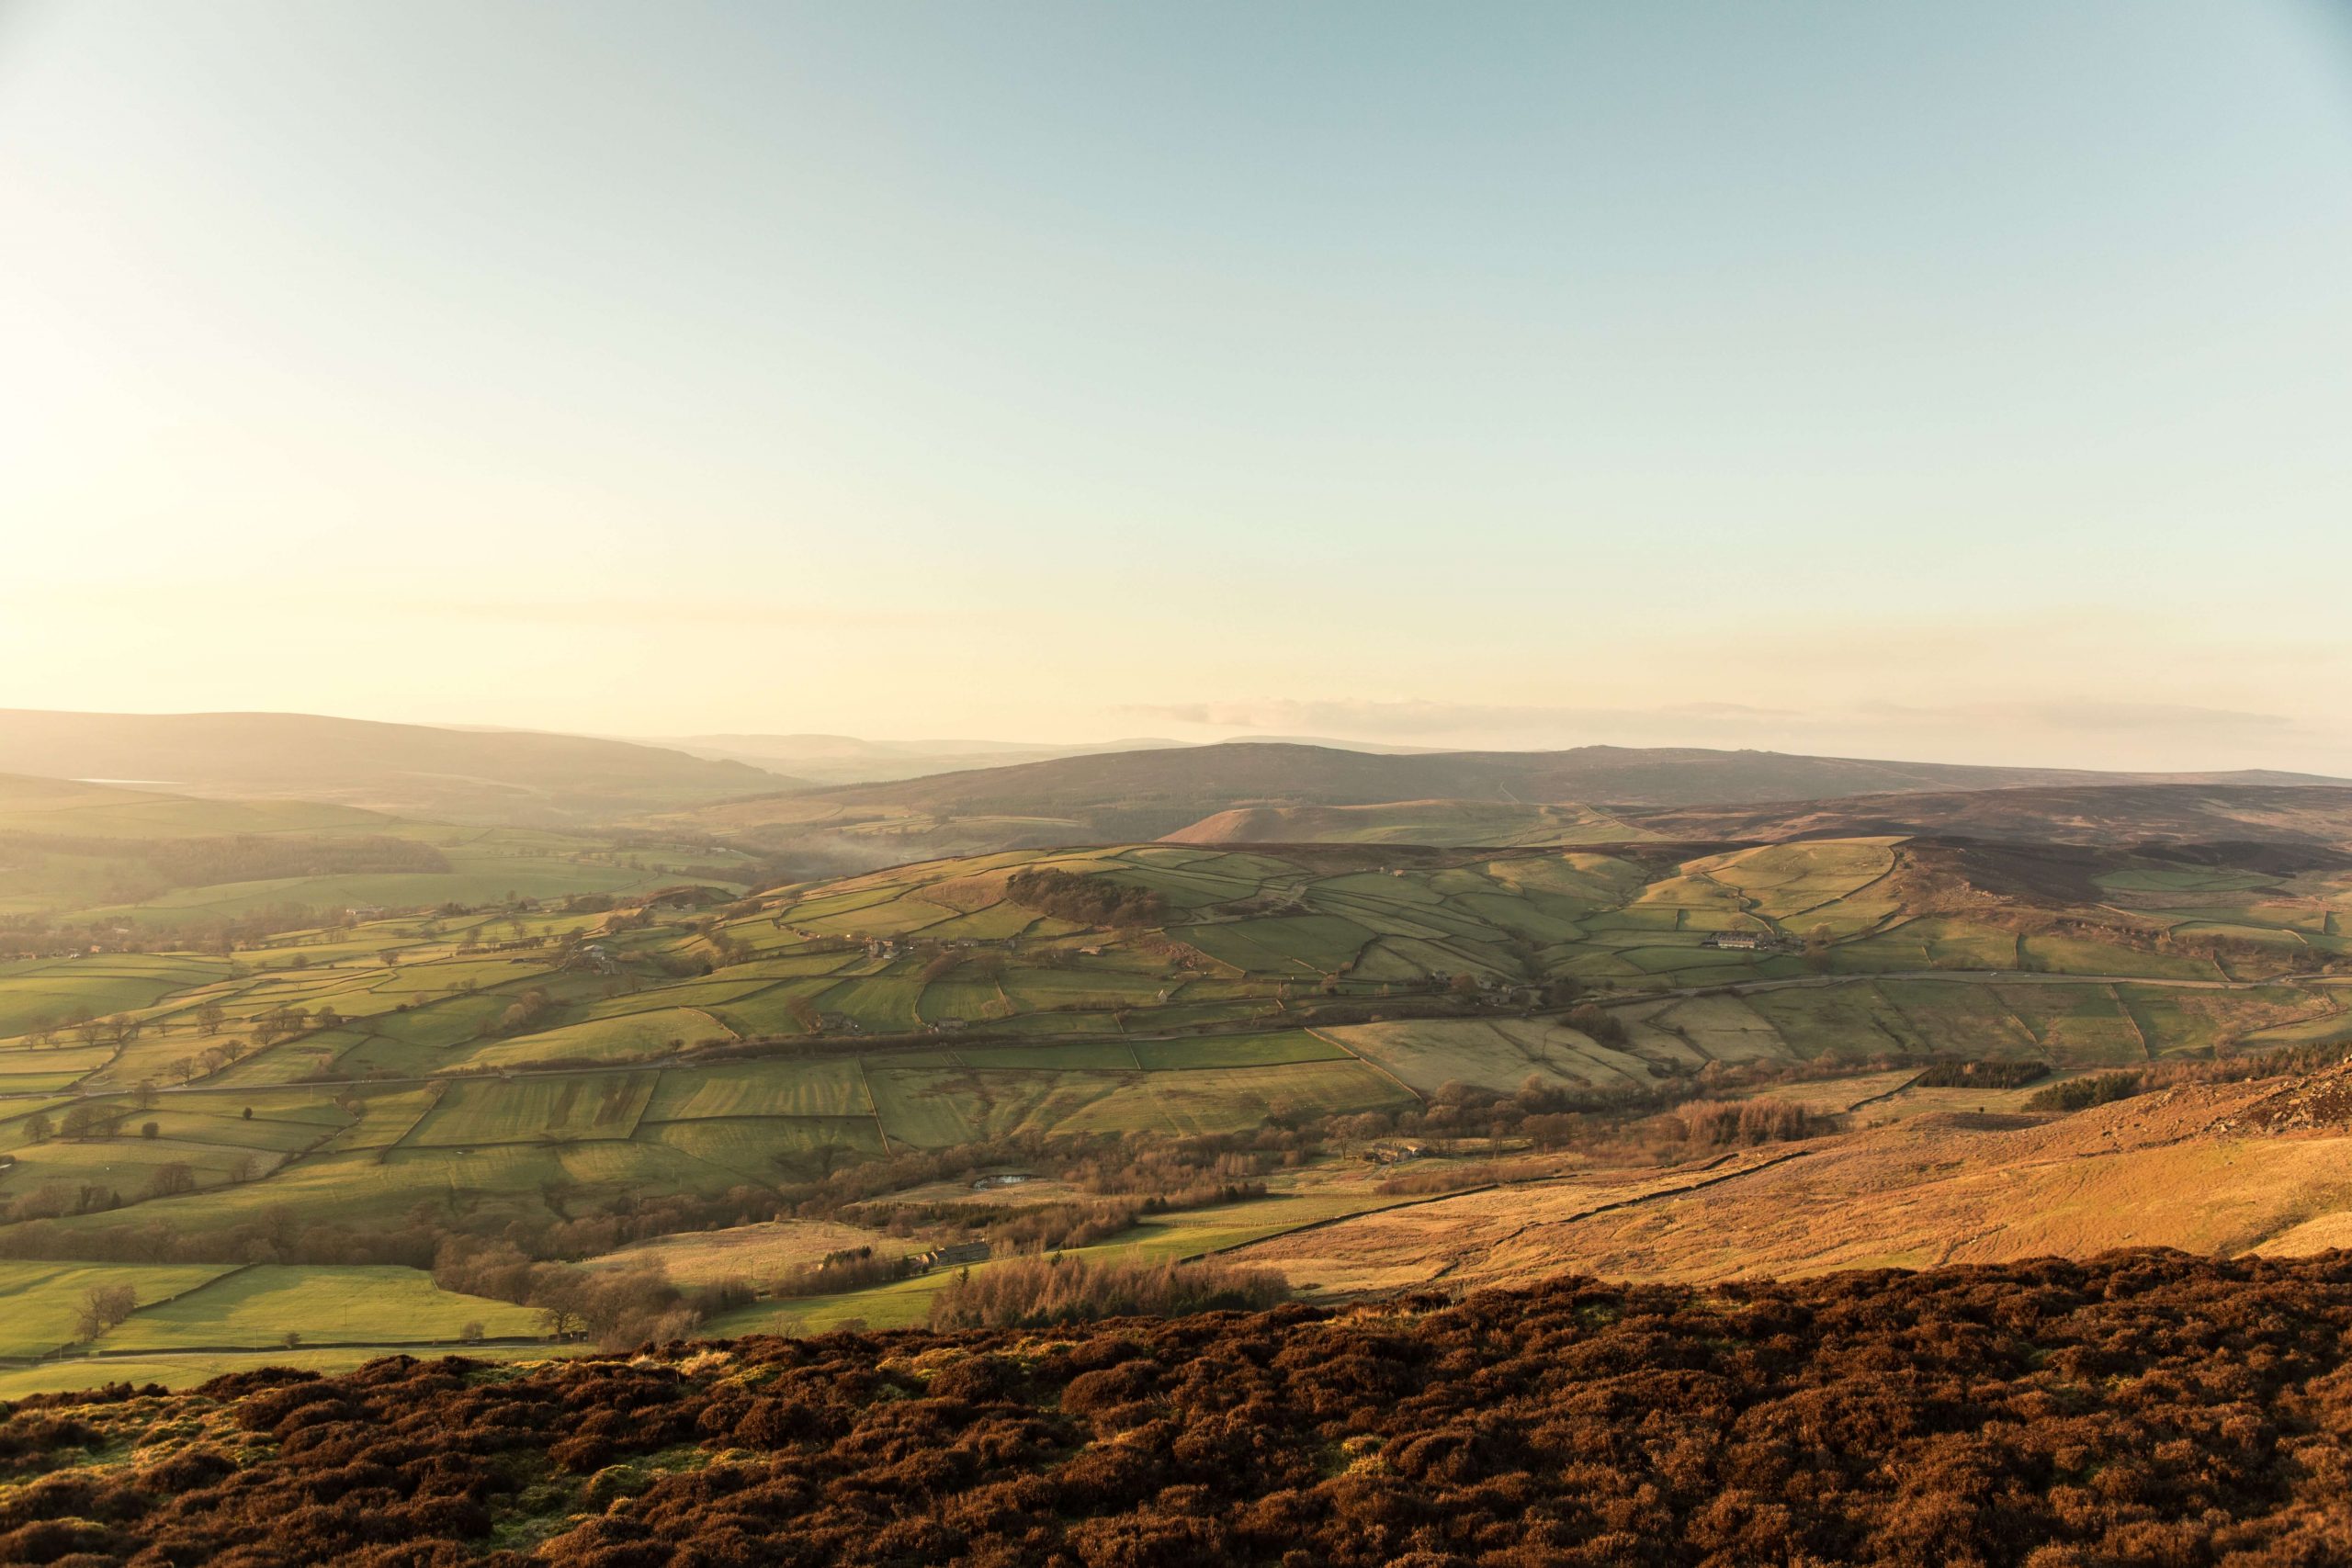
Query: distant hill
[(1132, 796), (846, 759), (2107, 814), (509, 777), (82, 854)]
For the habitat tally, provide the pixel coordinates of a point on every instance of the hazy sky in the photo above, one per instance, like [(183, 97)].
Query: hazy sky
[(1968, 380)]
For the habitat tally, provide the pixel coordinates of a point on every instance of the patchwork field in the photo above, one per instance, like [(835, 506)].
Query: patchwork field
[(538, 1062)]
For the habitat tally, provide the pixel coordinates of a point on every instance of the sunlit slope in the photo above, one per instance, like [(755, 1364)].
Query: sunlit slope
[(1909, 1185), (519, 1059), (2218, 812)]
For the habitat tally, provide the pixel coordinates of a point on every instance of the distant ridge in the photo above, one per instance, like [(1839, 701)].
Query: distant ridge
[(1135, 795), (833, 760), (509, 777)]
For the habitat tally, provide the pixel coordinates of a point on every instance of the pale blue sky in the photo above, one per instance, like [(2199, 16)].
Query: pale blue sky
[(1966, 382)]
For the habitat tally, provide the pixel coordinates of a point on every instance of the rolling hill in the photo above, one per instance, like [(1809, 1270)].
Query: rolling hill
[(83, 861), (512, 777), (2109, 814), (2113, 814), (833, 760), (1126, 796)]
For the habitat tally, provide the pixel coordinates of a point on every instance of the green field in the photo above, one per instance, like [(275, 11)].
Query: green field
[(259, 1306), (43, 1298), (530, 1109)]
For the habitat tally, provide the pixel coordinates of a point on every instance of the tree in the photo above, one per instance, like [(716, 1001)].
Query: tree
[(1817, 949), (86, 1121), (143, 1096), (39, 1127), (210, 1016), (102, 1306), (1603, 1026), (150, 1130), (171, 1180)]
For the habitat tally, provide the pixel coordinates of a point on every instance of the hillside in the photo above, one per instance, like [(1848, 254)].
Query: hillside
[(2140, 1407), (1918, 1177), (832, 760), (1126, 796), (83, 863), (2104, 813), (1222, 1034), (508, 777)]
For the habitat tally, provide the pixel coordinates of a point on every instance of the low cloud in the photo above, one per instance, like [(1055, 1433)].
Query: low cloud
[(1419, 719), (2099, 717)]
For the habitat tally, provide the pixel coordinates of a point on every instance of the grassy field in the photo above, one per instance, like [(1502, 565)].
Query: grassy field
[(258, 1307), (44, 1297), (532, 1063)]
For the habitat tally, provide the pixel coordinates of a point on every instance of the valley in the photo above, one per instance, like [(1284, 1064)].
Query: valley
[(653, 1070)]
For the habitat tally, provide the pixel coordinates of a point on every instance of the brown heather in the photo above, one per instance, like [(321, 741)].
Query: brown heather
[(2137, 1409)]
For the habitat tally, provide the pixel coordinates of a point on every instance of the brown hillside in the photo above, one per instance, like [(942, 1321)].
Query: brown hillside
[(2138, 1408), (2203, 1168)]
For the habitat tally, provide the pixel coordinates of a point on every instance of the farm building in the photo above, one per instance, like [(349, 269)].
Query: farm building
[(1744, 941)]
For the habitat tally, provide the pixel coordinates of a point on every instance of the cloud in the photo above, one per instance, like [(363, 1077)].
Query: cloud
[(2095, 717), (1417, 718)]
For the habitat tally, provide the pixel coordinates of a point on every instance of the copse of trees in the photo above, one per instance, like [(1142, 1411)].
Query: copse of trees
[(1720, 1123), (1083, 899), (2012, 1073), (2102, 1089), (1059, 1290)]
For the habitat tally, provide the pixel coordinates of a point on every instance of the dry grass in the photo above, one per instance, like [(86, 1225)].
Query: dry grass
[(1933, 1188), (756, 1253)]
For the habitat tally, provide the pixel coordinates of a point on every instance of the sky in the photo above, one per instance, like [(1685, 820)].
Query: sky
[(1967, 382)]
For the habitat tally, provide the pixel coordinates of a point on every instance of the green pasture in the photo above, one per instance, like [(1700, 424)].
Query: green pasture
[(259, 1306), (43, 1299)]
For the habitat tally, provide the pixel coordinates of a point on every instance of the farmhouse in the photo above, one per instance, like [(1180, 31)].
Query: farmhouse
[(948, 1257), (1744, 941)]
